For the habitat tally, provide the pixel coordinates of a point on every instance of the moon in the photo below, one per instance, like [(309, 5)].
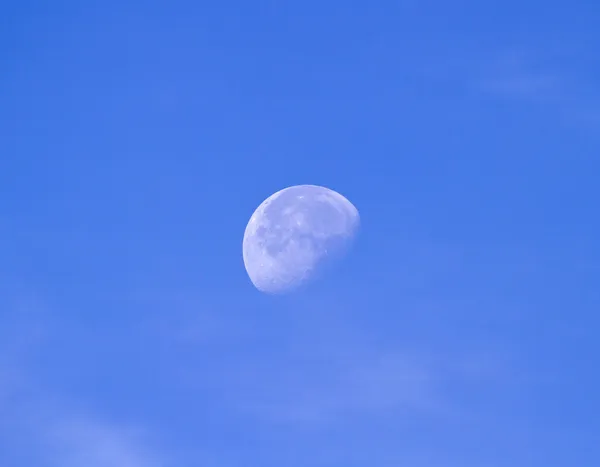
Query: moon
[(294, 234)]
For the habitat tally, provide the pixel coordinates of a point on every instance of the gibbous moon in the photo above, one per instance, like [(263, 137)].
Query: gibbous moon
[(294, 234)]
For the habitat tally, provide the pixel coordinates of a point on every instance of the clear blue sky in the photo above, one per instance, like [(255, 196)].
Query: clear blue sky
[(136, 139)]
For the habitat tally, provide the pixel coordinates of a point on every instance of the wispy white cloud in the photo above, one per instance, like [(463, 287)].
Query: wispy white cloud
[(533, 77), (333, 389), (59, 437), (85, 441), (310, 367), (516, 75), (50, 433), (323, 369)]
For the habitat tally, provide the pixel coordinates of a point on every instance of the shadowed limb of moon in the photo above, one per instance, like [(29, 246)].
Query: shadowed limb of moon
[(295, 234)]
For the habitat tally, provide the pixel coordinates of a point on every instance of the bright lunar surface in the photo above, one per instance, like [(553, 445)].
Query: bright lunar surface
[(294, 234)]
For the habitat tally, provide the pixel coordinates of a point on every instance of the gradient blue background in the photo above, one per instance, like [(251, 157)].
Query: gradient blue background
[(136, 139)]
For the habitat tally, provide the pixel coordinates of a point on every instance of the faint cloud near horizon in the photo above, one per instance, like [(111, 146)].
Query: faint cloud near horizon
[(330, 390), (56, 436), (299, 377), (35, 425), (78, 441)]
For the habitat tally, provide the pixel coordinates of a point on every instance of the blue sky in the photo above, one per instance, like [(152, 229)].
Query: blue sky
[(137, 139)]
